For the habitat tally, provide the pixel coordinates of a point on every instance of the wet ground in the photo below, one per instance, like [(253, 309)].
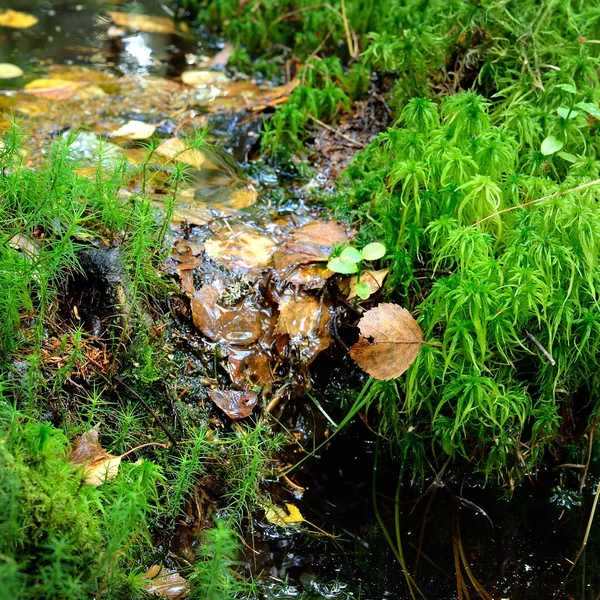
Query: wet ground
[(249, 251)]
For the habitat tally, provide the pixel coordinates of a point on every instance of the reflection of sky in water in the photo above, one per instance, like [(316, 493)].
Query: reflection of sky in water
[(139, 51)]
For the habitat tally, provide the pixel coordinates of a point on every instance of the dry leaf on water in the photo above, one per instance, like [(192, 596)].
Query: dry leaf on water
[(10, 71), (235, 404), (146, 23), (390, 341), (176, 149), (17, 20), (165, 582), (134, 130), (98, 464)]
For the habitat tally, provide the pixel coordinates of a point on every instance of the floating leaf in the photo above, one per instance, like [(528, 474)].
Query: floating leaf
[(390, 341), (17, 20), (373, 251), (350, 255), (236, 405), (9, 71), (551, 145), (146, 23), (590, 108), (98, 464), (282, 518), (176, 149), (337, 266), (135, 130), (567, 113)]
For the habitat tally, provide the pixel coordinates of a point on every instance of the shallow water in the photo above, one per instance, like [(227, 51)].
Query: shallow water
[(517, 550)]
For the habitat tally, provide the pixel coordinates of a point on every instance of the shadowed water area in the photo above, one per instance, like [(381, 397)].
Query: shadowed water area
[(249, 244)]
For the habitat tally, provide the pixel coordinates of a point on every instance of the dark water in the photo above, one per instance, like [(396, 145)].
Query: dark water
[(518, 549)]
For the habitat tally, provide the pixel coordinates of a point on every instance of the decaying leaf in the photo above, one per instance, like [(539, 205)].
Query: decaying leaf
[(204, 78), (176, 149), (10, 71), (390, 341), (249, 366), (372, 279), (17, 19), (305, 320), (146, 23), (242, 198), (98, 464), (282, 518), (167, 583), (235, 404), (135, 130), (53, 89), (240, 247)]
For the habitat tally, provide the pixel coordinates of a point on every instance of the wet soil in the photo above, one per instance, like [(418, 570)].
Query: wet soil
[(236, 245)]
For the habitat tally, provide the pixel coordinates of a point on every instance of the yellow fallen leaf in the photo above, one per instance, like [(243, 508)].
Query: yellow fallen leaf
[(17, 19), (242, 198), (9, 71), (241, 247), (54, 89), (176, 149), (278, 516), (98, 472), (204, 78), (135, 130), (146, 23)]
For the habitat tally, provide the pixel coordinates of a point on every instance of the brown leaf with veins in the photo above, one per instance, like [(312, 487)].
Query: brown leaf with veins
[(165, 582), (373, 279), (98, 464), (390, 341), (236, 405)]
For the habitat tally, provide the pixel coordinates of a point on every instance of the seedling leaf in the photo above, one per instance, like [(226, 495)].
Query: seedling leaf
[(590, 108), (390, 341), (567, 113), (568, 88), (362, 290), (373, 251), (551, 145), (350, 255), (337, 266)]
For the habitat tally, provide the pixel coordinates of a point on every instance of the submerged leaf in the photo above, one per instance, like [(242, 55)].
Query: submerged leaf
[(235, 404), (282, 518), (146, 23), (241, 248), (135, 130), (17, 19), (176, 149), (390, 341), (204, 78), (165, 582)]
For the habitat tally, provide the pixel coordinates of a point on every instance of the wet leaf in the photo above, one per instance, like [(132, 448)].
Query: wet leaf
[(17, 20), (390, 341), (311, 276), (98, 464), (53, 89), (167, 583), (551, 145), (277, 515), (249, 365), (305, 319), (373, 251), (176, 149), (372, 279), (135, 130), (9, 71), (242, 198), (146, 23), (204, 78), (236, 405), (241, 248)]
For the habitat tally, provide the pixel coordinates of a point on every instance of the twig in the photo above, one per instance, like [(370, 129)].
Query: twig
[(148, 408), (541, 348), (337, 132), (584, 543), (584, 186), (587, 464)]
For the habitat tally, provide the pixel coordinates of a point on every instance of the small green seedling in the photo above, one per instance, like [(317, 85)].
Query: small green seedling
[(350, 261)]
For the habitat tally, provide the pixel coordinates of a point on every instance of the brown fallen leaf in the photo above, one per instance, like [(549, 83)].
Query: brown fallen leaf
[(235, 404), (17, 19), (176, 149), (390, 341), (249, 366), (305, 320), (373, 279), (241, 248), (146, 23), (309, 276), (167, 583), (242, 198), (98, 464)]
